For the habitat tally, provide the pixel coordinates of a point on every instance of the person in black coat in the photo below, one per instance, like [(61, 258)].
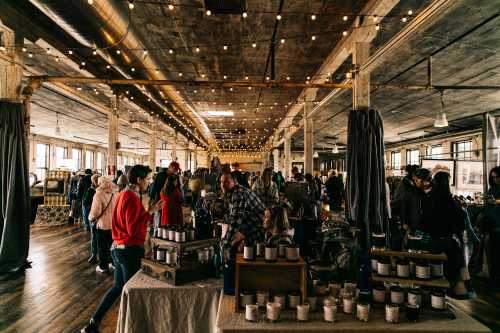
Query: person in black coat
[(411, 206), (335, 190), (444, 221)]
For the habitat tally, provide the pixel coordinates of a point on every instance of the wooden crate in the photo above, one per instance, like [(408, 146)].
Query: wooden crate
[(438, 283), (185, 246), (406, 254), (277, 277), (190, 271)]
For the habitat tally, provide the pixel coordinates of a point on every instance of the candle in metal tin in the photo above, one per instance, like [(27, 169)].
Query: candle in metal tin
[(392, 313), (260, 248), (412, 313), (170, 234), (415, 296), (397, 295), (164, 233), (403, 268), (249, 252), (273, 311), (292, 252), (160, 254), (438, 300), (374, 262), (378, 241), (246, 297), (251, 312), (329, 313), (378, 293), (271, 253), (437, 269), (293, 299), (262, 297), (384, 267), (363, 311), (313, 303), (414, 243), (281, 300), (180, 236), (303, 312), (423, 270)]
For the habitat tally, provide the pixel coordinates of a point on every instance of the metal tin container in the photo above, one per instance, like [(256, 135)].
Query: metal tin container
[(262, 297), (363, 311), (160, 255), (180, 236), (397, 295), (281, 300), (246, 297), (273, 311), (392, 313), (271, 254)]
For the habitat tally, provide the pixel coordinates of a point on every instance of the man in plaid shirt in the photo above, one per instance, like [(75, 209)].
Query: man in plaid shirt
[(245, 216)]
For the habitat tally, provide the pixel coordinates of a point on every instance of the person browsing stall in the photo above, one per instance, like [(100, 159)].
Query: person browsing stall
[(276, 225), (245, 214)]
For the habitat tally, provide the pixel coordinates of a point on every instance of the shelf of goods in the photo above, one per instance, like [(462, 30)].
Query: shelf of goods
[(436, 282), (281, 276), (187, 266)]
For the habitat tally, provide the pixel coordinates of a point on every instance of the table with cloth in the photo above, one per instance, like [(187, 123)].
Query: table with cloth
[(150, 305), (230, 322)]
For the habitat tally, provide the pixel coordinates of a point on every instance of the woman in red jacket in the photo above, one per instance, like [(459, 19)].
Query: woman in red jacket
[(172, 196), (129, 225)]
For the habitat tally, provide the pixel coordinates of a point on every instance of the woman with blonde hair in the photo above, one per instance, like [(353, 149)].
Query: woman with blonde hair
[(101, 213)]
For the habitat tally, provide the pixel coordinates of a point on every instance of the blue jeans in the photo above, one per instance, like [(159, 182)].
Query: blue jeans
[(127, 263), (91, 227), (85, 216)]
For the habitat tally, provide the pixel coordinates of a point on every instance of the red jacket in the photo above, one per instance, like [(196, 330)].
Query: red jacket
[(130, 220), (172, 209)]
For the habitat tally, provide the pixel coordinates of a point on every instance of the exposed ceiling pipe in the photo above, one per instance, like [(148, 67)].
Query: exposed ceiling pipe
[(106, 23)]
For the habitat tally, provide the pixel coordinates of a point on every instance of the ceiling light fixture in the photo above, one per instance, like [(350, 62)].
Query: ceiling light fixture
[(57, 129), (335, 149), (441, 120)]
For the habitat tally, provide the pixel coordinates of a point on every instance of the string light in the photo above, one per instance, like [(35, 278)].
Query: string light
[(108, 67), (246, 77), (225, 47), (118, 52), (404, 19), (70, 52), (282, 41), (410, 12), (278, 17), (375, 18), (254, 45), (313, 17), (90, 2), (24, 49), (145, 52), (57, 58), (377, 27), (171, 7), (30, 55), (171, 51), (197, 50), (208, 12), (131, 4), (313, 37), (245, 15), (345, 18)]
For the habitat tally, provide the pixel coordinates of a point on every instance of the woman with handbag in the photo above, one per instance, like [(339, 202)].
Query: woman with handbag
[(101, 214)]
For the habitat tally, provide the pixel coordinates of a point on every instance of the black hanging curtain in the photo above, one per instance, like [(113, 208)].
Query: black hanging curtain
[(366, 191), (14, 188)]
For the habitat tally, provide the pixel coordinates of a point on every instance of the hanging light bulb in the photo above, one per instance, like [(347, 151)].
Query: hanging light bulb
[(345, 18), (171, 7), (315, 155), (377, 27), (278, 17), (441, 120), (245, 15), (131, 4), (208, 12), (313, 17), (335, 149), (57, 129)]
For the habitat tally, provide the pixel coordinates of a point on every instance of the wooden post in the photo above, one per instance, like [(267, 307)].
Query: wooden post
[(276, 156), (152, 145), (113, 137), (361, 84), (288, 153), (174, 148), (308, 132)]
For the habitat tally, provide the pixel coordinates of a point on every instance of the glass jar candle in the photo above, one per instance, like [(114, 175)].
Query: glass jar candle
[(171, 234), (403, 269), (293, 299), (165, 233), (303, 312), (281, 300), (160, 255), (180, 236), (246, 297), (260, 248), (378, 241), (171, 258), (384, 267), (329, 313), (423, 270), (438, 300), (251, 312), (249, 252), (392, 313), (437, 269), (292, 252), (378, 293), (363, 311), (415, 296), (262, 297), (414, 243), (282, 249), (347, 302), (273, 311), (271, 254), (397, 295)]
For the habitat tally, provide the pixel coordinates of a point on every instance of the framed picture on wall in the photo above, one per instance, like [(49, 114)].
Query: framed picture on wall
[(470, 176), (441, 165)]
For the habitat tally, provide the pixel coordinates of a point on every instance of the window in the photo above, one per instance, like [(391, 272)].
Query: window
[(61, 155), (100, 163), (42, 160), (164, 163), (77, 158), (412, 157), (89, 159), (435, 152), (396, 160), (462, 150)]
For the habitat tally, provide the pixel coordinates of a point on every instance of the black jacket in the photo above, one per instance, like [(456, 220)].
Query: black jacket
[(88, 197), (83, 185), (442, 216), (159, 182), (412, 207)]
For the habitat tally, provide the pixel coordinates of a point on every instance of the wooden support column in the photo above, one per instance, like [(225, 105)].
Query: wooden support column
[(276, 156), (174, 148), (186, 158), (153, 142), (361, 84), (195, 159), (112, 159), (308, 132), (288, 153)]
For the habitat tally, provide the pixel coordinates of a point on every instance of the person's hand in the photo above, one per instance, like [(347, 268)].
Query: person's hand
[(156, 206), (238, 237)]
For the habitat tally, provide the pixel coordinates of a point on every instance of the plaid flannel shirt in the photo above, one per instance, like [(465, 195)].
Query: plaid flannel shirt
[(246, 213)]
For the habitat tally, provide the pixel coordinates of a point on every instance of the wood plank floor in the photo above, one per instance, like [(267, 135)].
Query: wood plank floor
[(61, 290)]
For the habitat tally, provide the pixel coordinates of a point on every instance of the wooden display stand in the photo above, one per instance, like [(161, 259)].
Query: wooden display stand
[(281, 276), (438, 283), (189, 271), (184, 246)]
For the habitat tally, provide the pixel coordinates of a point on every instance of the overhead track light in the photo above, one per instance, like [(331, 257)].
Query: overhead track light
[(441, 120)]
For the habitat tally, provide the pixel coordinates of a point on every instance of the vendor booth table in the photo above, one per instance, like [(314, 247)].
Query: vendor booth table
[(228, 321), (150, 305)]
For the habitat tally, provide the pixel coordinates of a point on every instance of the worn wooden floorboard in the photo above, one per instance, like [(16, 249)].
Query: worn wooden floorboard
[(61, 290)]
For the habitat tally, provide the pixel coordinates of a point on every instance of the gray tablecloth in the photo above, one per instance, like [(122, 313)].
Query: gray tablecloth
[(149, 305), (230, 322)]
